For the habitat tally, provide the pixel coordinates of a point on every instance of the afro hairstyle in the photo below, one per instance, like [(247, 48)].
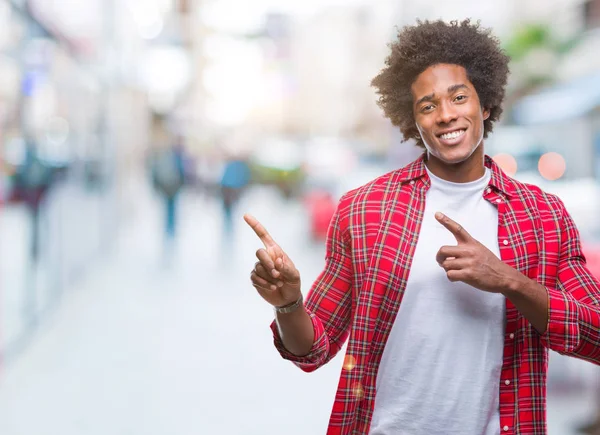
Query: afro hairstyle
[(430, 43)]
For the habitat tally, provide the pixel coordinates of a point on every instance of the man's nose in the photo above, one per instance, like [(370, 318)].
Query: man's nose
[(446, 113)]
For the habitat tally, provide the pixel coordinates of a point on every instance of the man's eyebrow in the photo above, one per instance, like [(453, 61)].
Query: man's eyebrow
[(429, 97), (455, 88), (451, 90)]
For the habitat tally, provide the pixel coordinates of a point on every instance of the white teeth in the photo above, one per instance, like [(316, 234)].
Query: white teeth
[(452, 135)]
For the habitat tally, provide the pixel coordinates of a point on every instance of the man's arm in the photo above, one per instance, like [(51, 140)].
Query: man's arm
[(328, 309), (574, 305), (296, 331), (567, 317)]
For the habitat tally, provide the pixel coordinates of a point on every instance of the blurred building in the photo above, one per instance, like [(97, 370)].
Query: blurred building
[(77, 84), (276, 73), (333, 57)]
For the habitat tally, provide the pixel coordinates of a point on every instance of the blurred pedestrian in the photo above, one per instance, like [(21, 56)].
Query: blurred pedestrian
[(234, 180), (168, 178), (450, 279), (32, 181)]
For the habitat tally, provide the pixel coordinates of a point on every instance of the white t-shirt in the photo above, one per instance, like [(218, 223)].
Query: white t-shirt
[(440, 369)]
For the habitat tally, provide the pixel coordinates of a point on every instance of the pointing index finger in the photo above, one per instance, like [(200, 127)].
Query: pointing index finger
[(260, 231), (455, 228)]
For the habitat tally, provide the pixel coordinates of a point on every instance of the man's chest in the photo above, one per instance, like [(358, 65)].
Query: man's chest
[(384, 247)]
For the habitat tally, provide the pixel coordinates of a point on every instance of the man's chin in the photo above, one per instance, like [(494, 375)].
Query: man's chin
[(453, 158)]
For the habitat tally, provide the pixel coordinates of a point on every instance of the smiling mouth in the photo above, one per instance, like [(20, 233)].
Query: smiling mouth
[(453, 135)]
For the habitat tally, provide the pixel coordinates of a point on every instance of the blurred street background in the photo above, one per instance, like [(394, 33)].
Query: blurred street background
[(134, 134)]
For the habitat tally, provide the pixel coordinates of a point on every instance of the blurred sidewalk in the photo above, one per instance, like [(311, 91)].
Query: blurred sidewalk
[(72, 223), (145, 347)]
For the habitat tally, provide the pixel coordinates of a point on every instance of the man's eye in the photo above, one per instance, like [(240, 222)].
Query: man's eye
[(460, 98), (427, 108)]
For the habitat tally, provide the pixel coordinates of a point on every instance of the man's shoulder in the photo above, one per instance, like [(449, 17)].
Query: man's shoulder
[(372, 190), (529, 192)]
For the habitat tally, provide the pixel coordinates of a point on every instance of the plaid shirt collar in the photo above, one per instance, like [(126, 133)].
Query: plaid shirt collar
[(499, 181)]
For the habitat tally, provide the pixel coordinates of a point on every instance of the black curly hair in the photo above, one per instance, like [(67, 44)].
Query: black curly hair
[(434, 42)]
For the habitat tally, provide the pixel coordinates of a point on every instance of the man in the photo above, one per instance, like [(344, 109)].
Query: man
[(450, 279), (168, 178), (234, 180)]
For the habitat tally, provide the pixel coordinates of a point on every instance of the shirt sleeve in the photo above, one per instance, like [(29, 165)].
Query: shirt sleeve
[(574, 305), (329, 303)]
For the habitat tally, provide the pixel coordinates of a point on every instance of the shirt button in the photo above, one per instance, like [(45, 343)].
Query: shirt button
[(505, 243), (498, 200), (507, 382), (412, 181), (505, 428), (488, 190), (512, 336)]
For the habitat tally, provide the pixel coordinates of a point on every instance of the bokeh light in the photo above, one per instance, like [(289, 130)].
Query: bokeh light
[(358, 390), (552, 166), (349, 362), (507, 162)]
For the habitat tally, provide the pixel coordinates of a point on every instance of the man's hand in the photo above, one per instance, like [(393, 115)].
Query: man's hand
[(274, 275), (474, 264)]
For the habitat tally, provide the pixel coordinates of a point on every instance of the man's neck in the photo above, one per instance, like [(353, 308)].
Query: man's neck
[(471, 169)]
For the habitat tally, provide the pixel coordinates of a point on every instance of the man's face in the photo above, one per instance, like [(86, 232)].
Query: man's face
[(448, 113)]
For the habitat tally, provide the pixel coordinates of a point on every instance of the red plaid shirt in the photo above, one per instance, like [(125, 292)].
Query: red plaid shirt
[(370, 245)]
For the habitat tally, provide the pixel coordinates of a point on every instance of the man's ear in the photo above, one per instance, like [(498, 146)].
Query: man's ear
[(486, 114)]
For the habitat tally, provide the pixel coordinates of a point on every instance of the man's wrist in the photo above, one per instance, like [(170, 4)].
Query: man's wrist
[(289, 308), (516, 284), (531, 299)]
